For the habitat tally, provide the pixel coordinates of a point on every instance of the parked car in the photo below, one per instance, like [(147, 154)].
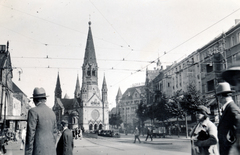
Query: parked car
[(107, 133), (159, 132)]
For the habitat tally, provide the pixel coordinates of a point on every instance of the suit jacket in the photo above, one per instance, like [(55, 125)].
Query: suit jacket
[(227, 127), (41, 131), (65, 143)]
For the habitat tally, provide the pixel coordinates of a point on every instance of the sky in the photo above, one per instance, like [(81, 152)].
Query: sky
[(49, 37)]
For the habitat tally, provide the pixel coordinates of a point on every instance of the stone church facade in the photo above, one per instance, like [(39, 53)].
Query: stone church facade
[(89, 108)]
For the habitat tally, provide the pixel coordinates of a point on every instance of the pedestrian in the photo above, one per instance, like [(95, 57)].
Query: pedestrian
[(136, 135), (23, 137), (80, 133), (229, 120), (232, 76), (73, 133), (149, 133), (65, 144), (204, 134), (41, 127), (76, 133)]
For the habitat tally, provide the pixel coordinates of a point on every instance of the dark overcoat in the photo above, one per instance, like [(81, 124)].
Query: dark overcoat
[(227, 127), (41, 131), (65, 144)]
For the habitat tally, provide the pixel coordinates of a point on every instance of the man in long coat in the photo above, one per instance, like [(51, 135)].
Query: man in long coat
[(41, 127), (229, 120), (65, 144)]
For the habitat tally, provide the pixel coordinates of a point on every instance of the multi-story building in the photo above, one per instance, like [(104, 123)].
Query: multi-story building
[(128, 103), (150, 85), (231, 49)]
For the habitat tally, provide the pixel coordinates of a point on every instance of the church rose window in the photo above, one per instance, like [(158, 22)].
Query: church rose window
[(95, 114)]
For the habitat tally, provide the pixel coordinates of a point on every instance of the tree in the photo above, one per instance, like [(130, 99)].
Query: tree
[(173, 106), (115, 120), (161, 111), (192, 99), (142, 113)]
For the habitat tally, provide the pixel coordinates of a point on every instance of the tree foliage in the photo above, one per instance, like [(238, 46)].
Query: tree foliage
[(142, 112), (160, 110), (173, 105), (192, 99), (115, 120)]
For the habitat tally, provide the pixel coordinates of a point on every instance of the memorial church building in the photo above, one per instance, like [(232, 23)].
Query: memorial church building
[(89, 107)]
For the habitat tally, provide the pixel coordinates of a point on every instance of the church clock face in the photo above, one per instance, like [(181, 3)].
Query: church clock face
[(95, 114)]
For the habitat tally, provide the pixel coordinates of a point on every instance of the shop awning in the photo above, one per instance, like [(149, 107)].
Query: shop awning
[(16, 118)]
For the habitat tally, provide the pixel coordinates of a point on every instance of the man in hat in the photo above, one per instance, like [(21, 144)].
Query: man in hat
[(65, 144), (41, 127), (229, 119), (232, 76)]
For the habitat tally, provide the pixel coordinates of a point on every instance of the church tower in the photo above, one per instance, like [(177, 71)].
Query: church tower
[(94, 106), (104, 96), (77, 93), (104, 91), (58, 90), (118, 98), (89, 69)]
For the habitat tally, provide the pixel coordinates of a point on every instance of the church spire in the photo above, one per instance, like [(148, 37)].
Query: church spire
[(104, 90), (90, 57), (119, 94), (104, 85), (77, 92), (58, 90)]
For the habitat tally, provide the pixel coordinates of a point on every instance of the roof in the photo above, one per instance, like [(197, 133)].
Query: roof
[(16, 89), (128, 94), (113, 111), (69, 103), (119, 94)]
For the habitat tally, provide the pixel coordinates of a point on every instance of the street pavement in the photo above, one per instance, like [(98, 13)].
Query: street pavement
[(170, 145)]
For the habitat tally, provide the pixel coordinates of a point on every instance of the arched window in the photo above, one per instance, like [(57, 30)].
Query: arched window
[(90, 127), (88, 73), (93, 72), (100, 126), (95, 127)]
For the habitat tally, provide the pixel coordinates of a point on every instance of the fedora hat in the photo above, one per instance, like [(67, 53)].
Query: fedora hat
[(233, 70), (39, 93), (223, 87)]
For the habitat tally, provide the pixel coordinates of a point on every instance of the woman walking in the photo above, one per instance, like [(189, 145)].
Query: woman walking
[(204, 134)]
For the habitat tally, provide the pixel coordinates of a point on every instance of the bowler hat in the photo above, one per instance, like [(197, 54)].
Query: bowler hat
[(233, 70), (202, 108), (39, 93), (223, 87)]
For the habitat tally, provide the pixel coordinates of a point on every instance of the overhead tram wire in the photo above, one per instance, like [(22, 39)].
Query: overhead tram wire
[(198, 33), (11, 8), (183, 43), (72, 68), (115, 31), (55, 58)]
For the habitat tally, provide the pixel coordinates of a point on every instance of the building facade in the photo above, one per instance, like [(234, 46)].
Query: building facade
[(127, 104), (14, 104)]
